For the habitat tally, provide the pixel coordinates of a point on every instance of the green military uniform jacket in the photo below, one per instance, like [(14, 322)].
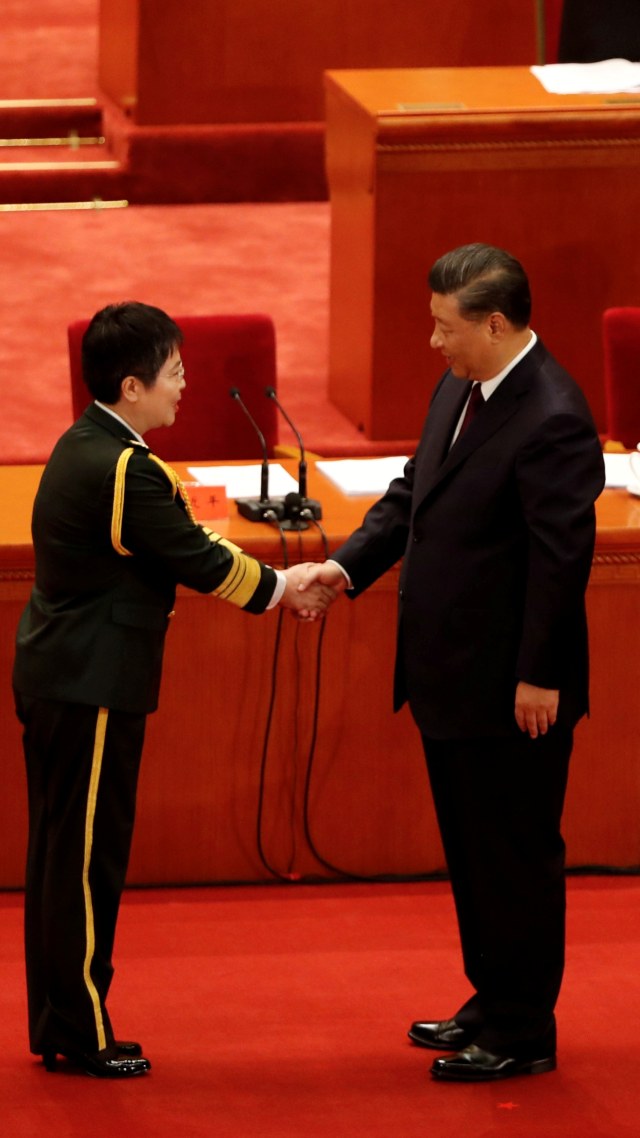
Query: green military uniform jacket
[(114, 534)]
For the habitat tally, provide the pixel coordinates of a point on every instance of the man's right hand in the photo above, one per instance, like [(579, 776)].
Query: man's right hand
[(307, 597), (328, 573)]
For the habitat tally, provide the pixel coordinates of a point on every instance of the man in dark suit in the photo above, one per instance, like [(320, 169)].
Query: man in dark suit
[(494, 521), (114, 534)]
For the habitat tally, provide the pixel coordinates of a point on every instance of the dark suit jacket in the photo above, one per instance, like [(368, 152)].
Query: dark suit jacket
[(112, 538), (496, 537)]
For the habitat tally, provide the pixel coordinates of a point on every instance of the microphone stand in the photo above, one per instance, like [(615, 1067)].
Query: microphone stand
[(264, 508), (297, 506)]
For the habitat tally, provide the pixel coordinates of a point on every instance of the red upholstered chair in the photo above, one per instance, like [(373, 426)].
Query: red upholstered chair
[(219, 352), (621, 337)]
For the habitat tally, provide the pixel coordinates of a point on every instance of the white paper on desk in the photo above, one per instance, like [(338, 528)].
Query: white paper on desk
[(607, 77), (362, 475), (244, 481), (617, 470)]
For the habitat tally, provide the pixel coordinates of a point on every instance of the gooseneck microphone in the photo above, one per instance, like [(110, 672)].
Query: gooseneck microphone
[(263, 508), (302, 465), (297, 506)]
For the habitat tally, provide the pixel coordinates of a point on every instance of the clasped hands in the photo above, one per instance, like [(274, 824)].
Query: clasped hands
[(311, 588)]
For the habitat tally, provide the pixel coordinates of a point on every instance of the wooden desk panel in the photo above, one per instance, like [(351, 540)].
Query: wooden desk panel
[(422, 161), (370, 809)]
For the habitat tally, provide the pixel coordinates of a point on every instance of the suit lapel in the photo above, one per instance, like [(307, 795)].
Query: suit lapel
[(444, 413), (435, 462)]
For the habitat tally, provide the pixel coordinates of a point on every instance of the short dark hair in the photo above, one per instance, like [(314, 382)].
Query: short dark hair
[(485, 280), (126, 339)]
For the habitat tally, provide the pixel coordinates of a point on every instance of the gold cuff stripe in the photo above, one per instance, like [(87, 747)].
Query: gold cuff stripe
[(217, 539), (96, 767), (243, 578), (118, 503)]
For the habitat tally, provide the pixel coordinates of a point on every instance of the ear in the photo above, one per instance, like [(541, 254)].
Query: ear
[(497, 324), (130, 388)]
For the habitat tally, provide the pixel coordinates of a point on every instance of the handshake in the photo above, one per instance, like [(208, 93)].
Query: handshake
[(311, 588)]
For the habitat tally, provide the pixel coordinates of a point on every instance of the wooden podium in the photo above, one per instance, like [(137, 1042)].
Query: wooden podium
[(420, 161)]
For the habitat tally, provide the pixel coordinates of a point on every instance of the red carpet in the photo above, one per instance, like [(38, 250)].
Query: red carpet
[(49, 49), (282, 1011)]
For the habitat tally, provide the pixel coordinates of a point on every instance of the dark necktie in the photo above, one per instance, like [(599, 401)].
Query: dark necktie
[(476, 401)]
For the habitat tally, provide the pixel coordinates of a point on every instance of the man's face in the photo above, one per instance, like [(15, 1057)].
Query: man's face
[(158, 404), (467, 345)]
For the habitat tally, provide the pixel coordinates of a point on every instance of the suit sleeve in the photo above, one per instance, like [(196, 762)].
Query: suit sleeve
[(560, 473), (381, 540), (149, 522)]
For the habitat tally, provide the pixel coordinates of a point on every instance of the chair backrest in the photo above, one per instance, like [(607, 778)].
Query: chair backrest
[(219, 352), (621, 342)]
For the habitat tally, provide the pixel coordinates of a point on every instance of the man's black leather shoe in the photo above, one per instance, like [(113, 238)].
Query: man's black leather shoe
[(442, 1035), (98, 1064), (473, 1065)]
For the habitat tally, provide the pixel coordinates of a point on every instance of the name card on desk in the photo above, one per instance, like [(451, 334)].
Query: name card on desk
[(207, 502)]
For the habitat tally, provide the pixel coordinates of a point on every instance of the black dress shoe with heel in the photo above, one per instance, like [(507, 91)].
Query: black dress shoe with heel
[(475, 1065), (102, 1065), (442, 1035)]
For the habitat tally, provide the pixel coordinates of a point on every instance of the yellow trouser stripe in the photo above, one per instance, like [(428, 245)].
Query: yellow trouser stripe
[(96, 767)]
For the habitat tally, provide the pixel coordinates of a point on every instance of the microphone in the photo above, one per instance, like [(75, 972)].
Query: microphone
[(295, 509), (294, 512), (263, 508)]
